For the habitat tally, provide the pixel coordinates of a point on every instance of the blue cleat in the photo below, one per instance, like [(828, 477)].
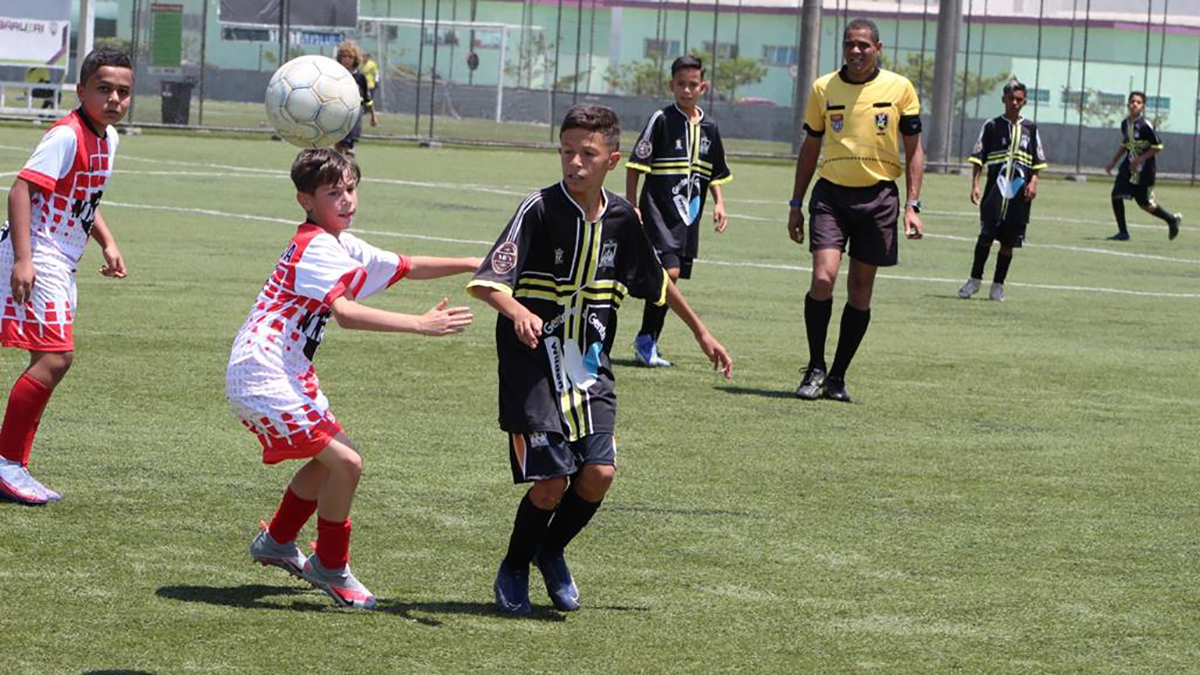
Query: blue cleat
[(559, 583), (512, 592), (645, 352)]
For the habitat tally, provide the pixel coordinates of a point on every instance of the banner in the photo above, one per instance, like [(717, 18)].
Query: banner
[(34, 42)]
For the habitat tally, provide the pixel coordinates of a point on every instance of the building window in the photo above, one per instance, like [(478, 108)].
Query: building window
[(1071, 98), (725, 50), (780, 55), (1109, 98), (1158, 103), (667, 49), (1039, 95)]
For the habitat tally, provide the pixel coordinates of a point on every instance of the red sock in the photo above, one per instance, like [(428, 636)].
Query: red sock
[(25, 405), (292, 514), (333, 543)]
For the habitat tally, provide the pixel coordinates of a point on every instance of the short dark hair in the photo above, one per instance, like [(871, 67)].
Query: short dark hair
[(687, 62), (1015, 85), (597, 118), (862, 23), (1140, 94), (102, 56), (315, 167)]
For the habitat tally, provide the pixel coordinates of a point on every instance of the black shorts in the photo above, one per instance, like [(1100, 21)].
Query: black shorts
[(542, 455), (351, 138), (1011, 234), (1141, 191), (866, 217), (671, 259)]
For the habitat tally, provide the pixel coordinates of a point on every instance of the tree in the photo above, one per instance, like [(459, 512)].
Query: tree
[(1102, 109), (921, 75), (651, 77), (728, 74), (645, 79)]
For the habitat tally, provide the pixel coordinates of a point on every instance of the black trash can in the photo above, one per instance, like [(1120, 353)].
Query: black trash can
[(176, 102)]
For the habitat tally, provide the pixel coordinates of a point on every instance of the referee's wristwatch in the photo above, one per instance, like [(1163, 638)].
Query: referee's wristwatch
[(795, 203), (914, 204)]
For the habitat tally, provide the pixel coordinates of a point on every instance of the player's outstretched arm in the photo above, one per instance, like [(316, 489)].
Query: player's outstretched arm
[(441, 320), (715, 352), (425, 267), (19, 210), (114, 264), (1116, 158), (526, 324)]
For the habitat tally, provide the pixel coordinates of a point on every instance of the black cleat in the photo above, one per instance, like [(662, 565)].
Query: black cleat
[(810, 386), (1173, 226), (835, 390), (1120, 236)]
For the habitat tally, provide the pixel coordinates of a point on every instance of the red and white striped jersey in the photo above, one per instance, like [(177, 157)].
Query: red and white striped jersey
[(70, 166), (273, 352)]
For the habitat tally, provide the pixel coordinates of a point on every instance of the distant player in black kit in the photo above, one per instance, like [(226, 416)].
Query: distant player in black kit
[(1011, 149), (1135, 179)]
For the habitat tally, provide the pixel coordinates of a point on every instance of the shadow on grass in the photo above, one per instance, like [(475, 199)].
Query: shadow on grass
[(751, 391), (664, 510), (118, 671)]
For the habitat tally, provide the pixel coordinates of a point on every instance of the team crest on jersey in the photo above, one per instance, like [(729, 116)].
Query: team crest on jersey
[(558, 256), (538, 439), (881, 122), (705, 144), (608, 254), (678, 143), (1024, 142), (504, 258), (644, 148), (837, 121)]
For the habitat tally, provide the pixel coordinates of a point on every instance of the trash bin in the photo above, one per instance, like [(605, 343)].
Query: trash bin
[(176, 102)]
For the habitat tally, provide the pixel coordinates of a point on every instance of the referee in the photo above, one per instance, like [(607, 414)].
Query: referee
[(864, 113)]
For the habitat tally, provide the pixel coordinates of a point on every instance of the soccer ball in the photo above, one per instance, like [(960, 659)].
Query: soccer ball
[(312, 101)]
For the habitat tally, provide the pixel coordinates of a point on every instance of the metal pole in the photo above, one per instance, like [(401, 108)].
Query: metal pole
[(203, 57), (687, 21), (896, 40), (962, 117), (287, 29), (921, 66), (1146, 62), (453, 45), (591, 45), (134, 46), (554, 85), (420, 67), (500, 78), (982, 49), (1196, 120), (433, 74), (1162, 54), (85, 32), (737, 40), (1087, 25), (809, 56), (837, 42), (578, 49), (470, 36), (282, 33), (949, 17), (712, 84), (1037, 76), (1071, 52)]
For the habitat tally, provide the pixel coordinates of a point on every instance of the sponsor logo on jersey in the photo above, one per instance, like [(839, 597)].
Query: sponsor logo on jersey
[(504, 258), (644, 148), (837, 121), (881, 123), (538, 439), (608, 253)]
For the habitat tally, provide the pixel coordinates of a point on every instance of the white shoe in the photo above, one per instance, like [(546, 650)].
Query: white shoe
[(18, 485), (264, 550), (997, 292), (339, 584), (970, 288)]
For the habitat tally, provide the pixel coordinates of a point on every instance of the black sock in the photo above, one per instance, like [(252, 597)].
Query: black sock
[(1119, 212), (1002, 263), (982, 251), (1165, 215), (854, 327), (816, 323), (652, 320), (529, 528), (572, 515)]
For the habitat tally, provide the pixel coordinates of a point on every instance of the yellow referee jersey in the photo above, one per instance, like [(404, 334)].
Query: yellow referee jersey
[(862, 124)]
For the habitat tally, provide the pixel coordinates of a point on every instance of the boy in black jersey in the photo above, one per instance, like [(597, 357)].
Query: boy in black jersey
[(681, 153), (557, 275), (1011, 149), (1135, 179)]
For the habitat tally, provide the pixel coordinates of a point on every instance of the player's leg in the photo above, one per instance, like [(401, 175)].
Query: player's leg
[(1003, 261), (818, 308), (329, 568), (983, 248), (1148, 203), (645, 345), (1120, 192), (26, 402), (856, 316), (580, 502), (276, 544)]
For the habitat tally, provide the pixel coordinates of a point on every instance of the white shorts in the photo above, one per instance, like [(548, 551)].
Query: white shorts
[(44, 323), (290, 424)]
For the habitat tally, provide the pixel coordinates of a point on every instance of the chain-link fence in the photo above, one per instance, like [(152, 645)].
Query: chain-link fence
[(505, 70)]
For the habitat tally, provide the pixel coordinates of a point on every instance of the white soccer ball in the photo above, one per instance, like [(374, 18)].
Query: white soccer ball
[(312, 101)]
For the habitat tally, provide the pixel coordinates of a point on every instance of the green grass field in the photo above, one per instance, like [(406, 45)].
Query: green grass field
[(1013, 491)]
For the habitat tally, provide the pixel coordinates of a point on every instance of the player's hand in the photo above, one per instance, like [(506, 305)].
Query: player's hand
[(442, 320), (975, 194), (114, 264), (1134, 166), (796, 224), (374, 121), (1030, 192), (1108, 169), (23, 276), (722, 362), (637, 212), (719, 217), (913, 229), (528, 327)]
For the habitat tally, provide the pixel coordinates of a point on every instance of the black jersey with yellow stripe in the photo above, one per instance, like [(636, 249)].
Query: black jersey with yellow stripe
[(681, 159), (1138, 136), (1010, 152), (573, 274)]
